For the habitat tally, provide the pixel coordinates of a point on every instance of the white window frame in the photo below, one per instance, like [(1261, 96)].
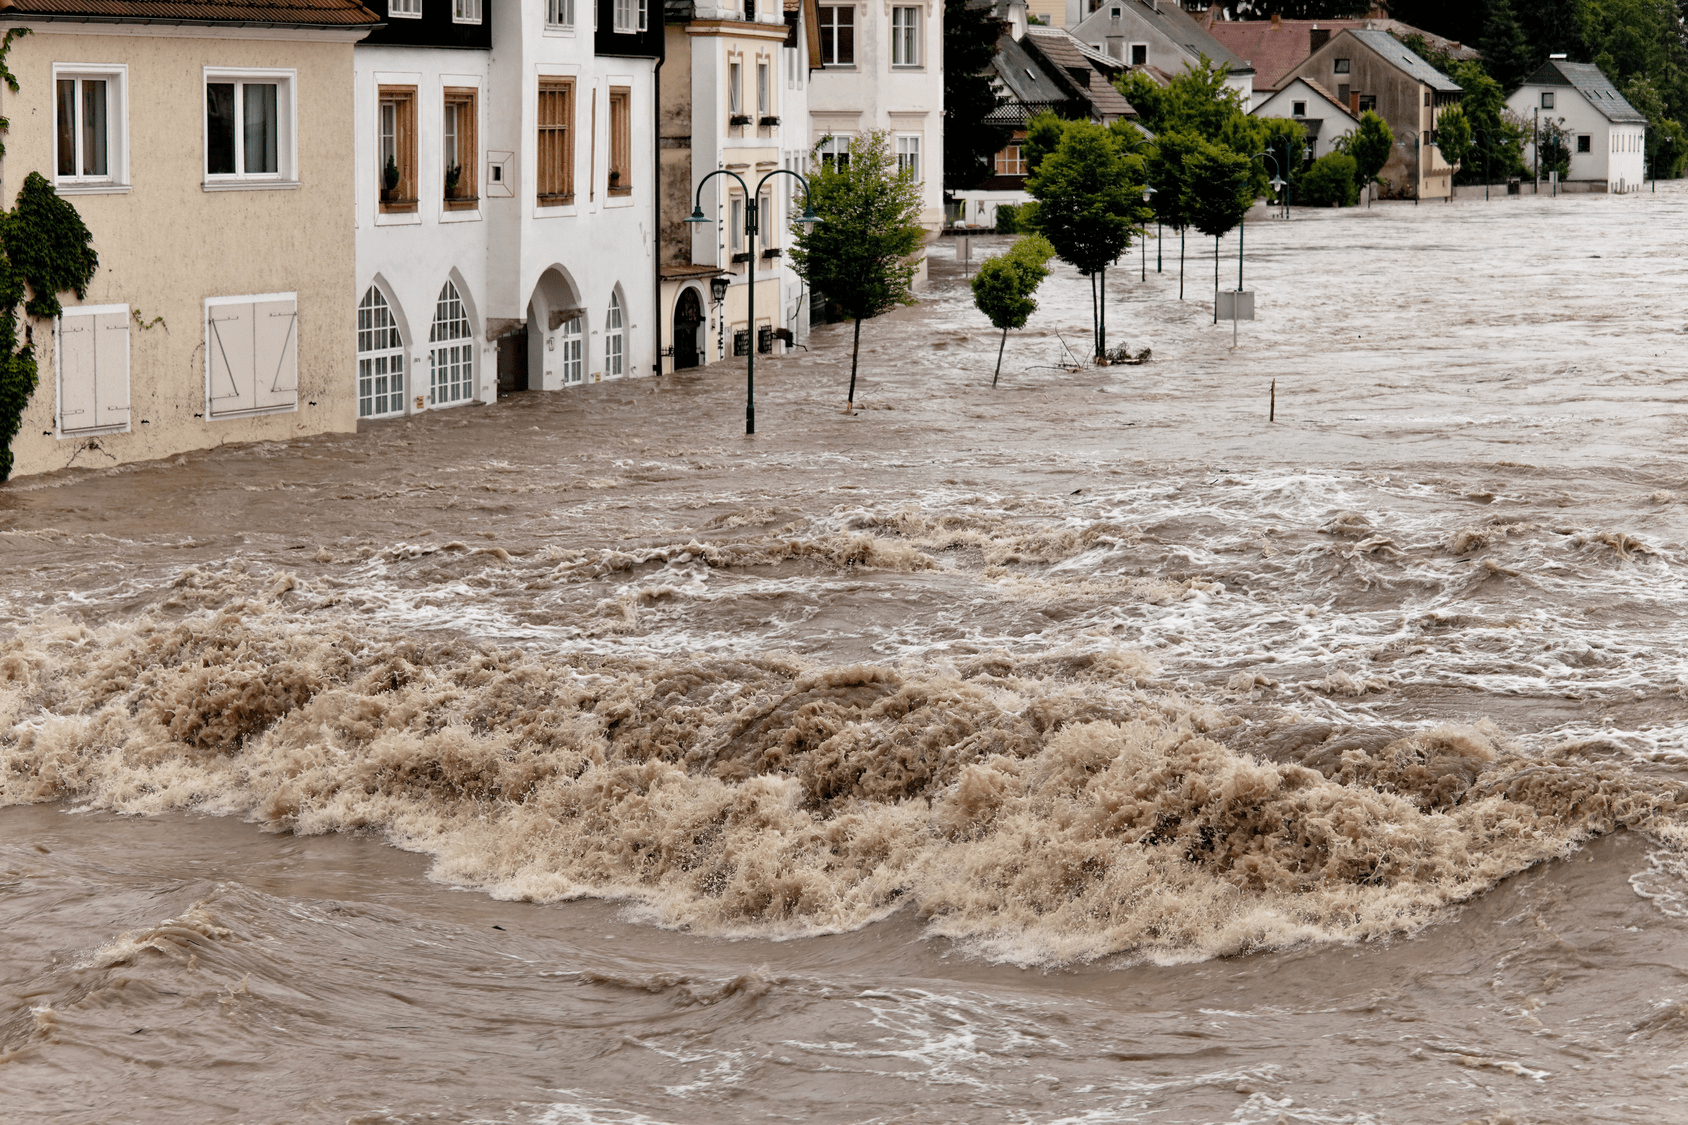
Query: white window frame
[(905, 37), (90, 313), (764, 86), (404, 9), (465, 11), (834, 146), (735, 87), (624, 17), (392, 353), (908, 153), (212, 413), (448, 352), (615, 339), (559, 15), (287, 133), (116, 78), (829, 37), (572, 367)]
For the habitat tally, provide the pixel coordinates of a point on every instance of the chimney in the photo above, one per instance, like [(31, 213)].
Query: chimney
[(1317, 38), (1277, 20), (1354, 104)]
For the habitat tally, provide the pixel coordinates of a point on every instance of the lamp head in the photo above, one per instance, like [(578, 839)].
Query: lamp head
[(718, 288), (808, 216), (1277, 184), (697, 215), (1148, 193)]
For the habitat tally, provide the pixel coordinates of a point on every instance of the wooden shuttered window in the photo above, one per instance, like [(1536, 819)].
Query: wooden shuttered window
[(621, 140), (461, 151), (396, 151), (554, 154), (93, 365), (252, 357)]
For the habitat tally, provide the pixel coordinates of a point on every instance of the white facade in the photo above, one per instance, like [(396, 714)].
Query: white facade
[(563, 286), (1613, 153), (1325, 118)]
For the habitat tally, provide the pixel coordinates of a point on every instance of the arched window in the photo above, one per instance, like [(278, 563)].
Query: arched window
[(380, 358), (613, 342), (574, 332), (451, 363)]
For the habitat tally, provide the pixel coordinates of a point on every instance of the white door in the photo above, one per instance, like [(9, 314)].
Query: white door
[(573, 366), (93, 363)]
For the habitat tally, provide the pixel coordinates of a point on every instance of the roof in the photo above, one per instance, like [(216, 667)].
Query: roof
[(1318, 91), (348, 14), (1086, 74), (1392, 50), (1172, 21), (1591, 82), (1276, 47), (1024, 76)]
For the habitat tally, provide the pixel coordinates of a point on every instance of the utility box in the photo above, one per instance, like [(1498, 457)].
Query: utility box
[(1236, 304), (741, 341), (765, 339)]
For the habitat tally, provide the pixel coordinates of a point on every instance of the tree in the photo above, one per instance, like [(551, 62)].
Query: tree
[(1330, 182), (1089, 195), (1168, 173), (1667, 143), (1453, 135), (1220, 187), (970, 41), (1196, 100), (1043, 134), (1553, 146), (1497, 145), (864, 252), (1506, 52), (1369, 145), (1003, 287)]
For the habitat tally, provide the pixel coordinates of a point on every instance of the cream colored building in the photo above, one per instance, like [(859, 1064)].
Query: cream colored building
[(207, 145)]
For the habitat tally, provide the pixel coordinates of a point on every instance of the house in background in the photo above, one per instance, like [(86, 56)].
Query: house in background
[(1156, 33), (207, 145), (1607, 135), (1372, 70), (1325, 118)]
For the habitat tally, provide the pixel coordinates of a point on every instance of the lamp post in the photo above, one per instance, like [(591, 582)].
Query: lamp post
[(752, 206), (1143, 250), (1418, 170), (718, 290)]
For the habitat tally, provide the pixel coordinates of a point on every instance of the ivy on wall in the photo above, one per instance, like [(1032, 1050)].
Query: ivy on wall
[(47, 251)]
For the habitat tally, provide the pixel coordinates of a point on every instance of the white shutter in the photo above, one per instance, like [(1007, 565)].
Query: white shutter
[(77, 408), (111, 367), (275, 353), (228, 346)]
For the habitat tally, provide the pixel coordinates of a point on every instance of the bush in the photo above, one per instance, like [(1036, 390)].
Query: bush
[(1016, 218), (1332, 181)]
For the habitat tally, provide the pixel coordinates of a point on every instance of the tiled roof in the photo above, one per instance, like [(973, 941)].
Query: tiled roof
[(270, 13), (1393, 51), (1067, 55), (1591, 82), (1275, 49), (1183, 29)]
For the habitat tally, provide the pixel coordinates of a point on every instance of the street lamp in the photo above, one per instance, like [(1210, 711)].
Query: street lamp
[(718, 290), (1143, 250), (1418, 172), (751, 228)]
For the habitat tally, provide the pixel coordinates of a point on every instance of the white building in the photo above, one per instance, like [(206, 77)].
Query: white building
[(1157, 33), (1606, 135), (505, 199), (1316, 108)]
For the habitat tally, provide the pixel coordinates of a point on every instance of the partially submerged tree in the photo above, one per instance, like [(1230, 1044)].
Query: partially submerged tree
[(1330, 182), (1003, 287), (1453, 135), (1369, 145), (1221, 191), (1169, 174), (865, 251)]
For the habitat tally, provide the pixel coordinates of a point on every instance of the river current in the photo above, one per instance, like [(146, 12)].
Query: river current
[(1086, 749)]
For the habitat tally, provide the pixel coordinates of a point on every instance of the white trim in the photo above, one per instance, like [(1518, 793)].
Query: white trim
[(191, 31), (287, 125), (246, 185), (96, 311), (117, 128)]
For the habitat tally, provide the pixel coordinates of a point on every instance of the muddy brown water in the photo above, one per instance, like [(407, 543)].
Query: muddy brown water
[(1089, 749)]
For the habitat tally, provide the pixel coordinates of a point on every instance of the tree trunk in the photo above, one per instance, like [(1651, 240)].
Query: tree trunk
[(1216, 279), (1093, 314), (855, 350), (999, 348), (1102, 331), (1180, 263)]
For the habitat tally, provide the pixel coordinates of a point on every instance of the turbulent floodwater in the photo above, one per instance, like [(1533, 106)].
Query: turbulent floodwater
[(1086, 749)]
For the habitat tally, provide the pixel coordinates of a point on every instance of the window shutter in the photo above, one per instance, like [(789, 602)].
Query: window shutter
[(111, 367), (77, 393), (228, 341), (275, 353)]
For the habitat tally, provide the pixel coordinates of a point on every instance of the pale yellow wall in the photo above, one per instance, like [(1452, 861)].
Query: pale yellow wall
[(167, 244)]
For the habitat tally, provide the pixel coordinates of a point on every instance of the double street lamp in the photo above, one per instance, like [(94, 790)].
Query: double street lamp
[(751, 228)]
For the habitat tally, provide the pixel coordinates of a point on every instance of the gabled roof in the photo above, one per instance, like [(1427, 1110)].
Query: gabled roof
[(1086, 74), (1276, 47), (1024, 75), (1591, 82), (1172, 21), (1397, 54), (1318, 92), (342, 14)]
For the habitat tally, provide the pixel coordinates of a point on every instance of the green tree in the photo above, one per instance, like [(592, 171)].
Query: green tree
[(1220, 187), (1195, 100), (970, 42), (1554, 145), (1089, 195), (1497, 144), (1168, 172), (1330, 182), (1506, 53), (1043, 134), (1369, 145), (1003, 287), (865, 251), (1453, 135), (1667, 144)]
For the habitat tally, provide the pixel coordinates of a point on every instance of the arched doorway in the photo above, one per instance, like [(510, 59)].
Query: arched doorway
[(380, 358), (688, 314)]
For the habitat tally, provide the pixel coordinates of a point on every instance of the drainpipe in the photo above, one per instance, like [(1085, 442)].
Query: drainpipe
[(656, 198)]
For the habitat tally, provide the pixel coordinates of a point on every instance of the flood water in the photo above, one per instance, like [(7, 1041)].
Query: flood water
[(1086, 749)]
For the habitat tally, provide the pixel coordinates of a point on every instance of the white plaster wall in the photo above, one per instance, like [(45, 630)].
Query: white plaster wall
[(1577, 115), (1336, 124)]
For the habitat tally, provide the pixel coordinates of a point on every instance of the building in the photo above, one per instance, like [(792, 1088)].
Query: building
[(1325, 118), (1156, 33), (1607, 136), (505, 200), (223, 309), (735, 99), (1372, 70)]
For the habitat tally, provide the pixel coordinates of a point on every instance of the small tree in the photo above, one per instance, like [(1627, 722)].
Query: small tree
[(1003, 287), (1330, 182), (864, 252), (1169, 174), (1370, 146), (1089, 196), (1453, 135), (1221, 192)]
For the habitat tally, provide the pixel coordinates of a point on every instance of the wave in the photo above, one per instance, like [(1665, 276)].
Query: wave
[(1040, 809)]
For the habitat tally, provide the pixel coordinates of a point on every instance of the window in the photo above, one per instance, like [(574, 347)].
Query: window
[(1011, 161), (1298, 109), (396, 153), (838, 35), (407, 9), (762, 92), (248, 126), (459, 152), (574, 332), (905, 36), (749, 11), (735, 89), (1342, 66), (1585, 142), (555, 153), (91, 352), (613, 341), (1547, 99), (1368, 102), (1113, 14), (380, 358), (465, 11), (765, 219), (451, 361), (559, 13), (908, 156), (834, 152), (251, 355), (626, 20), (1139, 54), (621, 140), (735, 225), (88, 128)]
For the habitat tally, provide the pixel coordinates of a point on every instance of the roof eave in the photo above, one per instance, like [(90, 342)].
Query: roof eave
[(13, 14)]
